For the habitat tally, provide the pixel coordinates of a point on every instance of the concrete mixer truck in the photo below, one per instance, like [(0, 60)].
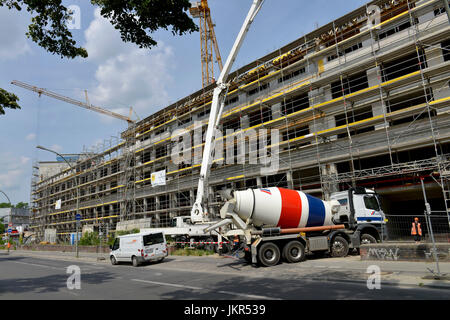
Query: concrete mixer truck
[(285, 224)]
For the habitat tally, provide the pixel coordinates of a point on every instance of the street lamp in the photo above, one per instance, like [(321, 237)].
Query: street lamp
[(77, 190), (10, 205)]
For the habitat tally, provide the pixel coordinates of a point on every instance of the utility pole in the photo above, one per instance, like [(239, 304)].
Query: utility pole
[(428, 217)]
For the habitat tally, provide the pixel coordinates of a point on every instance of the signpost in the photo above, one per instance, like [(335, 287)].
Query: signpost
[(78, 220), (9, 235)]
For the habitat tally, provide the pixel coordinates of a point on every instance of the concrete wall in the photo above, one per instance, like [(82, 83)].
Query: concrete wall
[(404, 252)]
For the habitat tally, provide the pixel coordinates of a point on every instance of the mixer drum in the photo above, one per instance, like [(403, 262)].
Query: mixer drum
[(277, 207)]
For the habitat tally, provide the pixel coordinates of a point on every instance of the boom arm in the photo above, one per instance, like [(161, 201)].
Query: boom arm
[(54, 95), (217, 105)]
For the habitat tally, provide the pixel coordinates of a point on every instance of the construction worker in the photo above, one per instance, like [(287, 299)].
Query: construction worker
[(416, 230), (236, 242)]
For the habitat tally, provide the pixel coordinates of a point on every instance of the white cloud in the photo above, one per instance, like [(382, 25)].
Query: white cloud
[(30, 137), (13, 170), (12, 34), (56, 147), (126, 75)]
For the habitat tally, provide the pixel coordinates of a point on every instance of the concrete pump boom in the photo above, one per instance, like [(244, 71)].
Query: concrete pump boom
[(217, 105)]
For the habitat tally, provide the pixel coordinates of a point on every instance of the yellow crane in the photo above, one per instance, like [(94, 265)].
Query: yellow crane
[(208, 41), (85, 105)]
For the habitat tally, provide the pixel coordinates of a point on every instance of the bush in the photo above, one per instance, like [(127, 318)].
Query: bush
[(89, 239)]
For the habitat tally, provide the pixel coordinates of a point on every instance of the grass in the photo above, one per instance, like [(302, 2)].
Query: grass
[(191, 252)]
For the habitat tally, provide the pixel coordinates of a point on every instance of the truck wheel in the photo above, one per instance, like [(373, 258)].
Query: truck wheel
[(339, 247), (367, 239), (113, 260), (135, 261), (269, 254), (294, 252)]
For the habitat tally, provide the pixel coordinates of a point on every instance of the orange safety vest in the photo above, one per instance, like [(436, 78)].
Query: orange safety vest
[(414, 231)]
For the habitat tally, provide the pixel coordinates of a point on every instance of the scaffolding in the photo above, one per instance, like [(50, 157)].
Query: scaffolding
[(354, 105)]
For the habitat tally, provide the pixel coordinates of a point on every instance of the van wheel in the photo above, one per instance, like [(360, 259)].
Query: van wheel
[(135, 261), (113, 261), (339, 247), (269, 254), (294, 252)]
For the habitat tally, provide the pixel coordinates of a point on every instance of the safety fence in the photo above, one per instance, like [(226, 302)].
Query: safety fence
[(399, 227)]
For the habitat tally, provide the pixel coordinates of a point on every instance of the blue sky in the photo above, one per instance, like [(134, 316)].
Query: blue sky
[(118, 75)]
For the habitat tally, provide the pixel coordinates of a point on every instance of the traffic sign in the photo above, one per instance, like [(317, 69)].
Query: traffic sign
[(78, 217)]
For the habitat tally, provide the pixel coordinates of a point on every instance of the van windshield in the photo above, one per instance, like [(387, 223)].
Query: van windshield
[(152, 239)]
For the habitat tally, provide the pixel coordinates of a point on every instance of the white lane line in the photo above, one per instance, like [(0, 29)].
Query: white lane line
[(251, 296), (167, 284), (38, 265)]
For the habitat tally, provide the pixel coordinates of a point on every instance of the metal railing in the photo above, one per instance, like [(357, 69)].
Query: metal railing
[(399, 227)]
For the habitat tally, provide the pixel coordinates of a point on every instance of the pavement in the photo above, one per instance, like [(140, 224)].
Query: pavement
[(350, 269)]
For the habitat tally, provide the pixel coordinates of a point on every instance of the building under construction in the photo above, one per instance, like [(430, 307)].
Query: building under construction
[(357, 102)]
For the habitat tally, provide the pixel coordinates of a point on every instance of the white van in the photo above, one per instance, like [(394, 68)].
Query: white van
[(139, 248)]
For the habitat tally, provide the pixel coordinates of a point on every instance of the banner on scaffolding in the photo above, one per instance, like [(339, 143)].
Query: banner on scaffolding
[(58, 204), (159, 178)]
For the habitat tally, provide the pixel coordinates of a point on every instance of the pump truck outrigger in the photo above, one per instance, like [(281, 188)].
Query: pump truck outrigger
[(279, 223)]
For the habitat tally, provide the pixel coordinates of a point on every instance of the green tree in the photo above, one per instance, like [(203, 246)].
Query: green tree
[(5, 205), (2, 227), (135, 19), (21, 205)]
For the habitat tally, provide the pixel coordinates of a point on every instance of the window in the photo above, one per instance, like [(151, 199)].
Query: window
[(353, 48), (116, 244), (161, 152), (439, 11), (295, 104), (259, 117), (371, 203), (291, 75), (446, 49), (204, 113), (354, 116), (153, 239), (232, 100), (258, 89), (403, 65), (394, 30), (349, 85), (184, 121)]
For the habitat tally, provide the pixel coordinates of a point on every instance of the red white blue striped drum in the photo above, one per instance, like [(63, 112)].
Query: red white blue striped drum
[(277, 207)]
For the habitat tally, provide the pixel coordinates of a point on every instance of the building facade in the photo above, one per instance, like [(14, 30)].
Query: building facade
[(363, 100)]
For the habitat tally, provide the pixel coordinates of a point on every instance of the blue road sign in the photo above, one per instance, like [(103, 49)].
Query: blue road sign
[(78, 217)]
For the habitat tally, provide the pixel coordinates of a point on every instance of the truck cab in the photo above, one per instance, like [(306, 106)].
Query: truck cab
[(361, 211)]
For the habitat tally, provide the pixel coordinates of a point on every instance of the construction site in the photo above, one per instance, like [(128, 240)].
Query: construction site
[(355, 103)]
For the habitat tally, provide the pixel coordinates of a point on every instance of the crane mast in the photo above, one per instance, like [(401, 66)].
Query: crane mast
[(208, 41), (217, 105)]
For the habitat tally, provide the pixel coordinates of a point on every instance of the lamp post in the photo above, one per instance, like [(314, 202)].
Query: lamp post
[(77, 191), (10, 205)]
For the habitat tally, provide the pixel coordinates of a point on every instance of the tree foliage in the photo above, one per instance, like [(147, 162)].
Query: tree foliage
[(135, 19)]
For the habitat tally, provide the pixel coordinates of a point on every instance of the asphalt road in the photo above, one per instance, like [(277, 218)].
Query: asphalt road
[(30, 277)]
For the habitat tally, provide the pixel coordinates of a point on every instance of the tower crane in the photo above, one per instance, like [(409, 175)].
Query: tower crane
[(208, 40), (85, 105)]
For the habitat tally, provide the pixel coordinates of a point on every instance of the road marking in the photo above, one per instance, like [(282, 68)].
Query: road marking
[(248, 295), (167, 284), (38, 265), (251, 296)]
